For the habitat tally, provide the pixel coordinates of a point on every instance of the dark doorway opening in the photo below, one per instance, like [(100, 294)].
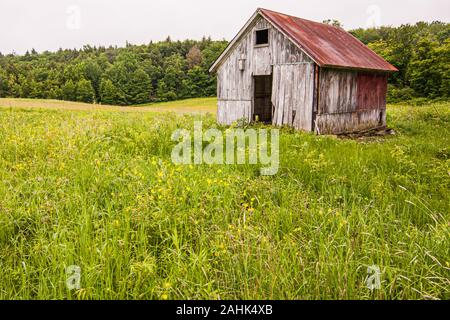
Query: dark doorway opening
[(263, 99)]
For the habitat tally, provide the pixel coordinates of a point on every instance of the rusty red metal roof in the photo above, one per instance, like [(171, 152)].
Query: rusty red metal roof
[(327, 45)]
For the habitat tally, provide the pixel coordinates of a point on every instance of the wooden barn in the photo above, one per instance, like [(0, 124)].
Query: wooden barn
[(289, 71)]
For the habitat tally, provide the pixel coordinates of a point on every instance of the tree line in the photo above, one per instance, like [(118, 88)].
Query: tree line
[(133, 75), (170, 70)]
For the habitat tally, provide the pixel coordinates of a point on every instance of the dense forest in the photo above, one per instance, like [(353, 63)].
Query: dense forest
[(170, 70), (132, 75)]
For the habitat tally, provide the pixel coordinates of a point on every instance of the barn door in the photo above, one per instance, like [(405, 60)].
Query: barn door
[(293, 94), (262, 99)]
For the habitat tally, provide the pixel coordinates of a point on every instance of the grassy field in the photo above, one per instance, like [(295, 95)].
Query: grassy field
[(97, 189)]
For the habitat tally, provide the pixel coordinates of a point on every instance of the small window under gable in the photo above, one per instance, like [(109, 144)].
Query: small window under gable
[(262, 37)]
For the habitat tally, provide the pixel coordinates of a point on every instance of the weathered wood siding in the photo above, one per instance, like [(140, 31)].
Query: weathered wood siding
[(372, 91), (350, 101), (235, 87), (337, 91), (230, 111), (293, 94)]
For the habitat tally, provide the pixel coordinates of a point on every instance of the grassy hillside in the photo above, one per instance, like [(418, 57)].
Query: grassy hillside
[(97, 189), (200, 105)]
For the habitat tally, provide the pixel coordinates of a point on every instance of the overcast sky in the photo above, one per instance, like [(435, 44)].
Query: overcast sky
[(53, 24)]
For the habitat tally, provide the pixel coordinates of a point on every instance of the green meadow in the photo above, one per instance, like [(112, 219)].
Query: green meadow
[(96, 188)]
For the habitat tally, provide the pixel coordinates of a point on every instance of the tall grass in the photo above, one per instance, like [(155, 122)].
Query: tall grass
[(98, 190)]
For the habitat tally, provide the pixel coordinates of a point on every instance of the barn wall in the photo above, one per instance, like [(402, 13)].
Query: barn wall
[(338, 91), (231, 111), (350, 101), (235, 87), (372, 91), (293, 94)]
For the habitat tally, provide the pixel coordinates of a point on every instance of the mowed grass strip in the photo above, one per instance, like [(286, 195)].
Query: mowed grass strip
[(196, 106), (98, 190)]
